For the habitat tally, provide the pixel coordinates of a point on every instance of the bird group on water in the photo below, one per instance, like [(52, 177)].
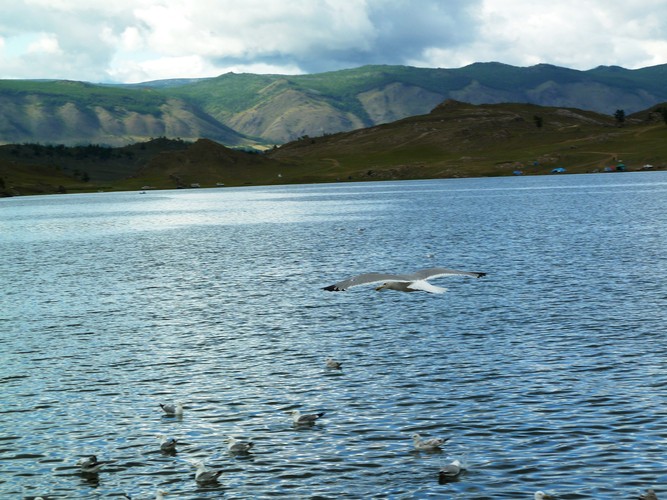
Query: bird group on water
[(417, 281), (91, 466)]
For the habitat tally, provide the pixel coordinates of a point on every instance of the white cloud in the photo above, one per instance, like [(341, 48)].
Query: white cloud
[(46, 44), (574, 33), (132, 40)]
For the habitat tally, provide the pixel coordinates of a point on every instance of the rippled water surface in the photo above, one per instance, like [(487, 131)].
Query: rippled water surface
[(549, 373)]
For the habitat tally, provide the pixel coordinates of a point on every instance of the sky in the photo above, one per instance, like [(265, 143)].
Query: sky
[(130, 41)]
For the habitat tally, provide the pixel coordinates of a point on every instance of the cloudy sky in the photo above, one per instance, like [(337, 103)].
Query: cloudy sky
[(140, 40)]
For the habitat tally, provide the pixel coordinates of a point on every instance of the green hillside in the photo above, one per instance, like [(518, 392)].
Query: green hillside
[(463, 140), (454, 140)]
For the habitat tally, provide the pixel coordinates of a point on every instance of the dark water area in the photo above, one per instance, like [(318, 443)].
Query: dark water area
[(548, 374)]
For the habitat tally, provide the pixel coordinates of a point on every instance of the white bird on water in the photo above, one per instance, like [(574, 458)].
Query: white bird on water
[(307, 419), (172, 409), (159, 495), (204, 475), (428, 444), (414, 282), (649, 495), (90, 465), (540, 495), (167, 444), (237, 446), (450, 471), (333, 364)]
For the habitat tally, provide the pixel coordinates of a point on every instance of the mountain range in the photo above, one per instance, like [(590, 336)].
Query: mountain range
[(260, 111)]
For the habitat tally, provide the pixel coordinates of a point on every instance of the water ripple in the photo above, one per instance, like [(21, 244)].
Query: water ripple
[(547, 373)]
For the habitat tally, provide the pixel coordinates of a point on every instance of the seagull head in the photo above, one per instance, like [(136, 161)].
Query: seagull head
[(540, 495), (383, 286)]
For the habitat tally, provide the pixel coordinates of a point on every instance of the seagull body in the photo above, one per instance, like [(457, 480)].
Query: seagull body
[(450, 471), (159, 495), (428, 444), (414, 282), (236, 446), (308, 419), (333, 364), (175, 409), (203, 475), (90, 465), (649, 495), (540, 495), (167, 444)]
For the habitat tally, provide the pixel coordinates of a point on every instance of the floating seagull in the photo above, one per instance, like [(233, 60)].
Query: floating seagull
[(649, 495), (450, 471), (167, 444), (236, 446), (159, 495), (333, 364), (428, 444), (402, 282), (540, 495), (308, 419), (90, 465), (203, 475), (176, 409)]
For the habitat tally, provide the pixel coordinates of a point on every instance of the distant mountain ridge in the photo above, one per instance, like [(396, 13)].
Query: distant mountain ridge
[(263, 110)]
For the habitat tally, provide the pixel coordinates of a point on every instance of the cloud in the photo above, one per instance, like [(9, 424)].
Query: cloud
[(138, 40), (579, 34)]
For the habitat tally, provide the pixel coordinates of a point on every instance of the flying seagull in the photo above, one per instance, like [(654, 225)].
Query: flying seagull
[(171, 410), (308, 419), (428, 444), (402, 282)]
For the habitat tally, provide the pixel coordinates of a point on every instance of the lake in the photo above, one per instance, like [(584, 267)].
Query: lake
[(547, 374)]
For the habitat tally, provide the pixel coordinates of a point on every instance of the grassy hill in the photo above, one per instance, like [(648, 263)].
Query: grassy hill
[(454, 140), (266, 110), (462, 140)]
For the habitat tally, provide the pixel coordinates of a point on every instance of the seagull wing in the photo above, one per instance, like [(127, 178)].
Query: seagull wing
[(436, 272), (367, 279), (424, 274)]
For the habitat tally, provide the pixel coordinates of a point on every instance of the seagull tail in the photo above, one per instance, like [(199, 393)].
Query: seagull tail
[(480, 275), (333, 288), (320, 415)]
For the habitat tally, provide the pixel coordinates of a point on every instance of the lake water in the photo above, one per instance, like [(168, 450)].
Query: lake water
[(549, 373)]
